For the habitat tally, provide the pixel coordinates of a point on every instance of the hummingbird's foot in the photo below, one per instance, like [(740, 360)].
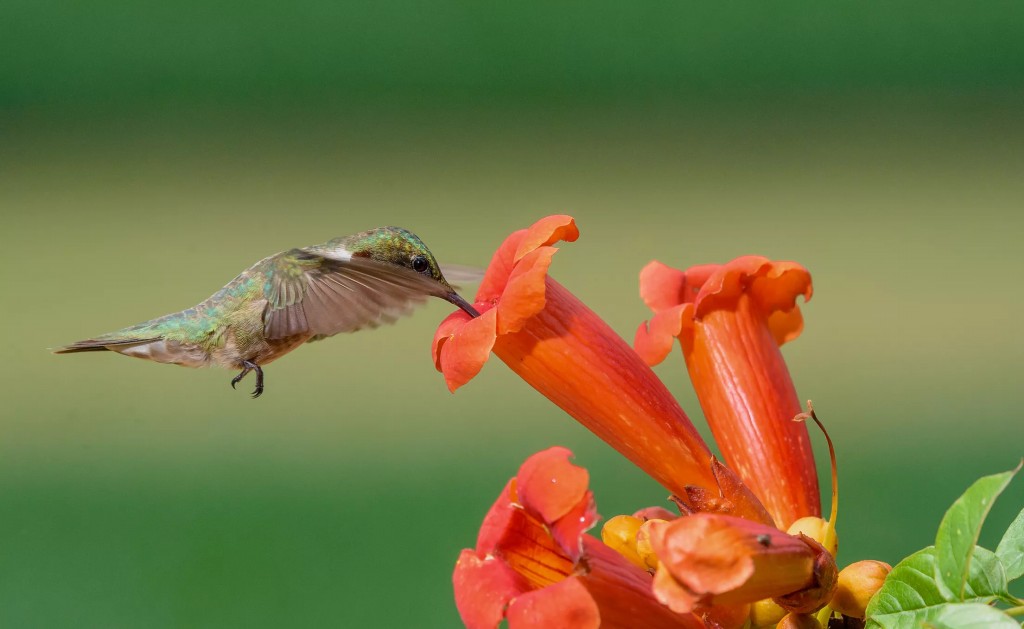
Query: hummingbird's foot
[(248, 366)]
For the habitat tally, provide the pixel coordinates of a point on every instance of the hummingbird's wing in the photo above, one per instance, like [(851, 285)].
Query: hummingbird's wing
[(457, 273), (311, 294)]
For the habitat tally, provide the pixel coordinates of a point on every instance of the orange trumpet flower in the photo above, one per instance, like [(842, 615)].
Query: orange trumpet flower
[(566, 352), (730, 320)]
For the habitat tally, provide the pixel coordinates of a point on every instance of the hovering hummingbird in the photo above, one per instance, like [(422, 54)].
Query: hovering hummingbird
[(288, 299)]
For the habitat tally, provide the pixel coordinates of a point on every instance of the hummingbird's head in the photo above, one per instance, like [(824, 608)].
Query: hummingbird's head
[(401, 247)]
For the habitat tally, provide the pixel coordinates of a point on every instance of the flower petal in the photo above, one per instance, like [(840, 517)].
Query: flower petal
[(496, 522), (623, 593), (661, 286), (524, 293), (483, 589), (501, 265), (773, 285), (547, 231), (447, 328), (555, 490), (565, 604), (654, 339), (549, 485), (727, 284), (786, 326), (777, 286), (462, 345)]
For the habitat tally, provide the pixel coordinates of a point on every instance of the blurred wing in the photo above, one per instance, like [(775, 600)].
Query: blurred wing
[(456, 273), (311, 294)]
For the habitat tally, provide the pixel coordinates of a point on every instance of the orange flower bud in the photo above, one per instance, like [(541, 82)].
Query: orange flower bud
[(858, 582), (766, 613), (619, 534), (811, 599), (799, 621), (819, 530)]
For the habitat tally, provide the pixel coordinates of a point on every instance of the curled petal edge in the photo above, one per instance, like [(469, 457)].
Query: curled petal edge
[(547, 231), (654, 338), (773, 285)]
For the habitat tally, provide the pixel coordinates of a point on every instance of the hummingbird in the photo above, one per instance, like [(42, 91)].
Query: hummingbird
[(290, 298)]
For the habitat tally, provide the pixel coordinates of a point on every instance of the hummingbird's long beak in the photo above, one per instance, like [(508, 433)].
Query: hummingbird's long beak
[(456, 299)]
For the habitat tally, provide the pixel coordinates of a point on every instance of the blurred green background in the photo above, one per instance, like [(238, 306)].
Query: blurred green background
[(150, 151)]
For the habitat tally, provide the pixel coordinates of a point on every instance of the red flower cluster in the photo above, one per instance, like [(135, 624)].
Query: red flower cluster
[(533, 564)]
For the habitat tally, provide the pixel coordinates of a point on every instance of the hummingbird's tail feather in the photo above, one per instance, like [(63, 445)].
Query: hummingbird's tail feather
[(157, 349), (102, 344)]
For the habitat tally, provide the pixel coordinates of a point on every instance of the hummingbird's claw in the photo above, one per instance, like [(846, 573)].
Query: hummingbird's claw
[(248, 366), (258, 391)]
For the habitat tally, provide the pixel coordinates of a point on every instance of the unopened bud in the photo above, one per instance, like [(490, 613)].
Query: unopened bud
[(619, 534), (811, 599), (766, 613), (817, 529), (643, 544), (858, 582), (799, 621)]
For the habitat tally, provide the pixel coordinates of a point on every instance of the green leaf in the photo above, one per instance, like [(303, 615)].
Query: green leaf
[(973, 616), (959, 530), (1011, 548), (987, 578), (911, 595)]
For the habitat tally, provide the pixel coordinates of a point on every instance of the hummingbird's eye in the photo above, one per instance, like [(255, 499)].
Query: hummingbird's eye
[(420, 264)]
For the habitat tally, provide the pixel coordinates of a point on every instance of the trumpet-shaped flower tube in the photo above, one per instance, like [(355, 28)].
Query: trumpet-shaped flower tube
[(730, 320), (567, 353), (534, 566)]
